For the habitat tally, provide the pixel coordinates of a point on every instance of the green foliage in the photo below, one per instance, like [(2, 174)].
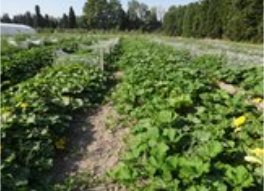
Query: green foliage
[(38, 20), (184, 137), (171, 21), (116, 15), (81, 180), (244, 24), (96, 14), (23, 65), (238, 20), (35, 118), (68, 46), (7, 48), (250, 78), (72, 19), (109, 15)]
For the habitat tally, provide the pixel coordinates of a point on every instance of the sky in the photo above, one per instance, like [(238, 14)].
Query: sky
[(58, 7)]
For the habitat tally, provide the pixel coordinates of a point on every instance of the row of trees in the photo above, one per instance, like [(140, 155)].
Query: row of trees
[(98, 14), (103, 14), (237, 20), (233, 19), (37, 20)]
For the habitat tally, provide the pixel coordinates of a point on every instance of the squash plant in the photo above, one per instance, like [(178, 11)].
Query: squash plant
[(35, 117), (25, 64), (189, 134)]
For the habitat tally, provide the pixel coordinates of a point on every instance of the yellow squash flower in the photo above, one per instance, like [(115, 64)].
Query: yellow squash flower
[(61, 143), (24, 105), (239, 121), (257, 100), (258, 152)]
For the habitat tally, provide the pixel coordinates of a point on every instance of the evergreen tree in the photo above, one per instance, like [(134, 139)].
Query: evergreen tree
[(188, 21), (38, 20), (169, 24), (213, 21), (203, 16), (197, 20), (82, 22), (53, 22), (6, 19), (72, 19), (64, 21), (47, 23), (234, 19), (19, 19), (29, 19)]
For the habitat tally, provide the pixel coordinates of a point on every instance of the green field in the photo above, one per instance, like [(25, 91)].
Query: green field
[(130, 112)]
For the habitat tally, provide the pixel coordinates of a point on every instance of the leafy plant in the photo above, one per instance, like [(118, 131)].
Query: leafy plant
[(184, 137), (23, 65), (35, 118)]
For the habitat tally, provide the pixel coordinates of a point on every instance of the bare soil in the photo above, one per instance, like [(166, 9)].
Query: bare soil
[(231, 89), (93, 148)]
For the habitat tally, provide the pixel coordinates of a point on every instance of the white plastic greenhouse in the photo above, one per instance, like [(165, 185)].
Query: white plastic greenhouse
[(12, 29)]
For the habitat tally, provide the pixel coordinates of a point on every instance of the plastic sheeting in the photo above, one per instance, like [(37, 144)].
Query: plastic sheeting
[(12, 29)]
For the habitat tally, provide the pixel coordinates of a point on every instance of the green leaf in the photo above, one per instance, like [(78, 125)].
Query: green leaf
[(153, 132), (239, 177), (152, 142), (167, 174), (214, 148), (160, 150), (197, 188), (203, 136), (192, 168), (166, 116), (137, 151), (124, 172), (170, 133), (173, 161), (153, 162)]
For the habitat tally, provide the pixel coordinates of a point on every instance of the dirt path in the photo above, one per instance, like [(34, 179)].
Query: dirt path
[(93, 149)]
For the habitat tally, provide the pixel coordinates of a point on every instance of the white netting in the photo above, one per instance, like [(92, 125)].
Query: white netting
[(12, 29)]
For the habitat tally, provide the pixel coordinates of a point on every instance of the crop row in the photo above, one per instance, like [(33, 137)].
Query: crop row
[(11, 45), (35, 116), (189, 134), (249, 77), (23, 65)]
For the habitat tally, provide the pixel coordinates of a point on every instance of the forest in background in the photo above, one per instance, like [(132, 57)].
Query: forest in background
[(238, 20)]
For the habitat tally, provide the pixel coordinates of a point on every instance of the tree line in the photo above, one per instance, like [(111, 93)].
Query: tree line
[(239, 20), (37, 20), (98, 15)]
